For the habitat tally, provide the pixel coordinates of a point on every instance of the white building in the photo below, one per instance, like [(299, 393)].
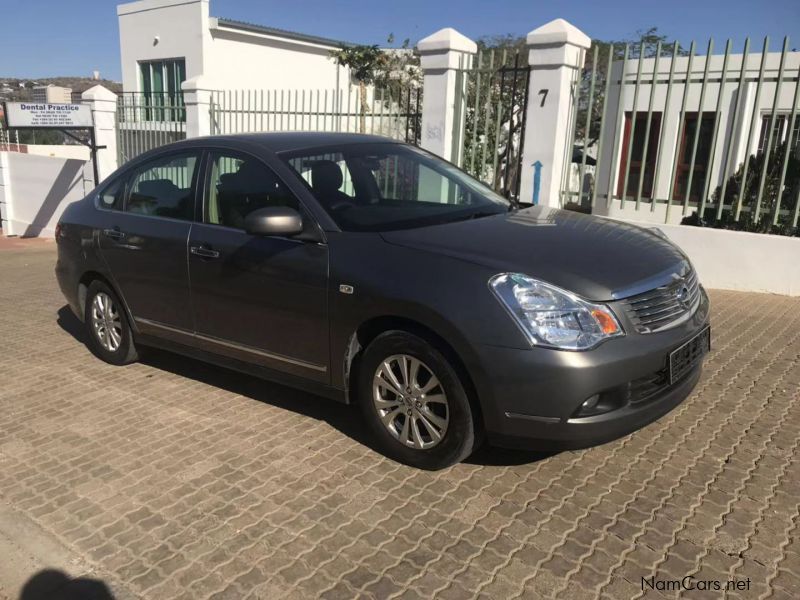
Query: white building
[(164, 42), (52, 94), (740, 122), (240, 77)]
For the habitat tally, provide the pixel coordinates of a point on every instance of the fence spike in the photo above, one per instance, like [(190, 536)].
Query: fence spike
[(698, 126), (729, 151), (743, 186), (770, 132)]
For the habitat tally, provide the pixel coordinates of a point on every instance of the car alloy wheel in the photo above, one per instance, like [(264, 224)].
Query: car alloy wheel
[(106, 322), (410, 401)]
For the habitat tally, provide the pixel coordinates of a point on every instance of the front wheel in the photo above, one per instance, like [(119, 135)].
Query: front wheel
[(109, 333), (414, 402)]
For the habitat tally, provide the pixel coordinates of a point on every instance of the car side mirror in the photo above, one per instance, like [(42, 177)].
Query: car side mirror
[(274, 220)]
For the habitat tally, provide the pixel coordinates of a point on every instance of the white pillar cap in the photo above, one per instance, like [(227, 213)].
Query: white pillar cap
[(98, 92), (197, 83), (445, 40), (558, 31)]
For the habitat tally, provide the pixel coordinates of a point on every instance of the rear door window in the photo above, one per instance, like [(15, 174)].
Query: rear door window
[(164, 187)]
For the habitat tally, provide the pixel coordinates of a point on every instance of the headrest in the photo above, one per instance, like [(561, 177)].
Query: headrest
[(157, 187), (326, 176), (251, 177)]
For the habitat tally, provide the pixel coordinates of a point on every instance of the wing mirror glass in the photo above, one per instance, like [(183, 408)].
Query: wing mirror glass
[(274, 220)]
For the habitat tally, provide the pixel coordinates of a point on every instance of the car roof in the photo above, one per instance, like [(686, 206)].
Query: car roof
[(289, 141)]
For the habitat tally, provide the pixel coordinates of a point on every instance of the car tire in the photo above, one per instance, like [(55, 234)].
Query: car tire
[(429, 423), (108, 331)]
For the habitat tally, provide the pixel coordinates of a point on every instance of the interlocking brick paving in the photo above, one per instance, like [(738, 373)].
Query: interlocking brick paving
[(174, 479)]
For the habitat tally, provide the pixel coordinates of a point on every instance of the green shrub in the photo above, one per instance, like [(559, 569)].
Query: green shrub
[(738, 189)]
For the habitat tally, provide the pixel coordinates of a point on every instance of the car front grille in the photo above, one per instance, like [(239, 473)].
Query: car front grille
[(665, 306)]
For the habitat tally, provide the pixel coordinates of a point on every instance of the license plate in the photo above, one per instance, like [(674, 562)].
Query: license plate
[(684, 359)]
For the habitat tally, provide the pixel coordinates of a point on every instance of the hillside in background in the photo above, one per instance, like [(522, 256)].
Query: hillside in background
[(15, 89)]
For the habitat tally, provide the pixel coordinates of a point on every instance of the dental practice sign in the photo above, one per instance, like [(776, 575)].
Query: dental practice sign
[(48, 116)]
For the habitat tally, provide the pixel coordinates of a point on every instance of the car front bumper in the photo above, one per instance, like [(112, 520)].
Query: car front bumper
[(531, 398)]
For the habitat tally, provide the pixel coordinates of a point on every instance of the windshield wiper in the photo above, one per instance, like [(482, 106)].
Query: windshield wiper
[(478, 215)]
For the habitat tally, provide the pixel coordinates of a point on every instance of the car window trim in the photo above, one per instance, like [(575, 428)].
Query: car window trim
[(232, 153)]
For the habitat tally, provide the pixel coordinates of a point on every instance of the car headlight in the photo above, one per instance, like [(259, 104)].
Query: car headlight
[(552, 317)]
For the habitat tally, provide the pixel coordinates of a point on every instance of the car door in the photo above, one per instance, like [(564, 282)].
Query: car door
[(145, 243), (261, 299)]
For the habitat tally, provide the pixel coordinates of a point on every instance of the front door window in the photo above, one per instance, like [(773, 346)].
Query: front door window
[(240, 185)]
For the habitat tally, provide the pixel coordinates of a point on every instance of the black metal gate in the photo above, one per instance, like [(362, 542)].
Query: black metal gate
[(495, 98)]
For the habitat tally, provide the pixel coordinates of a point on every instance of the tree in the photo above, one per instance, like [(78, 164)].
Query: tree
[(365, 63), (370, 65), (745, 191)]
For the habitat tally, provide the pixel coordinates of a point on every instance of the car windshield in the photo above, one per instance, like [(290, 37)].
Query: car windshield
[(385, 186)]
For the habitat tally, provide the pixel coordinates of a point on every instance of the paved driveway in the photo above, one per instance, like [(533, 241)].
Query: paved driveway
[(173, 479)]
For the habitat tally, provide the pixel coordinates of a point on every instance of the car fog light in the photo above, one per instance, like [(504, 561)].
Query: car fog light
[(590, 403)]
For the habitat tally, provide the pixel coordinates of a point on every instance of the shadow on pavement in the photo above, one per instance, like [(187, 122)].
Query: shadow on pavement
[(70, 323), (346, 418), (51, 584), (490, 456)]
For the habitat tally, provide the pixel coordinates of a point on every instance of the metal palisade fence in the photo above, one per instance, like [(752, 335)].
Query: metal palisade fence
[(491, 102), (148, 120), (392, 111), (712, 137)]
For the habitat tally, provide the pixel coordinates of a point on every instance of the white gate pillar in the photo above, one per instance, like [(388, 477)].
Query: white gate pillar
[(103, 104), (556, 53), (197, 98), (442, 54)]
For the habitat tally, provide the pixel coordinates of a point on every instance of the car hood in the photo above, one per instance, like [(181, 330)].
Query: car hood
[(594, 257)]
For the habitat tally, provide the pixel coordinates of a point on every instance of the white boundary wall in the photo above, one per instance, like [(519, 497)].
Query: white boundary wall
[(34, 190), (59, 151), (739, 260)]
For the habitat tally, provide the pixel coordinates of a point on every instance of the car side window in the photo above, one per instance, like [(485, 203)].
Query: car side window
[(112, 196), (238, 185), (163, 187)]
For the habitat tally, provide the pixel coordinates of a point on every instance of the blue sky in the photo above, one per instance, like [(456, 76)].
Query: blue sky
[(48, 38)]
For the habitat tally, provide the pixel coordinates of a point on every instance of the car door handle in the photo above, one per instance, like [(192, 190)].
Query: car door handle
[(114, 234), (204, 252)]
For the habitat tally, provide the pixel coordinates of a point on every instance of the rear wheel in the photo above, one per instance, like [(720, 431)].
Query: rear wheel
[(109, 333), (414, 402)]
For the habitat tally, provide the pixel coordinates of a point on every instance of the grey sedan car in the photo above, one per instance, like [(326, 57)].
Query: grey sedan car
[(372, 272)]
